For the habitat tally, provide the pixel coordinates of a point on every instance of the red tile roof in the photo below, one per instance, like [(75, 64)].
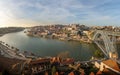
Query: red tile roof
[(39, 61), (112, 64)]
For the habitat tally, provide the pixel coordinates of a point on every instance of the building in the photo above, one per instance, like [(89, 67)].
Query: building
[(37, 66), (109, 66)]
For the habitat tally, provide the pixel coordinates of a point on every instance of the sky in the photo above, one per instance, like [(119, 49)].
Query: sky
[(43, 12)]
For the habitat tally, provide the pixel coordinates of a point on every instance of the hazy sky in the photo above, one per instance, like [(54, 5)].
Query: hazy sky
[(37, 12)]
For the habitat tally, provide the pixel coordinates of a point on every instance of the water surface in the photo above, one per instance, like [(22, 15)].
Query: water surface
[(49, 47)]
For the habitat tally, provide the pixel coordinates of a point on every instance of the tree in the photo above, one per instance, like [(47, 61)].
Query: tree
[(53, 70), (99, 54)]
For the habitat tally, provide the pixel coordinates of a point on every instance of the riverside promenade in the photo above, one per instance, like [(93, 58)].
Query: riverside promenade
[(10, 53)]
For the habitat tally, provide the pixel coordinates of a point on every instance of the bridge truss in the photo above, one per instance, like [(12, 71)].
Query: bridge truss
[(109, 40)]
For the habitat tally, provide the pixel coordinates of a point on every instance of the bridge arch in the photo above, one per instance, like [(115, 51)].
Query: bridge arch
[(109, 48)]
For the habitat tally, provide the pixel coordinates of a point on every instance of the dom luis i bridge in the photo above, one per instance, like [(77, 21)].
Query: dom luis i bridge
[(106, 41)]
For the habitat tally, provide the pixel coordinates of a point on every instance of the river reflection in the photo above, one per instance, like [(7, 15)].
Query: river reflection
[(49, 47)]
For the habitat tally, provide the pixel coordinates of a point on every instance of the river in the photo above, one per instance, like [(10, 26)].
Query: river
[(50, 47)]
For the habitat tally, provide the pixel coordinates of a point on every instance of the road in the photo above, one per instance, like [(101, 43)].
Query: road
[(7, 52)]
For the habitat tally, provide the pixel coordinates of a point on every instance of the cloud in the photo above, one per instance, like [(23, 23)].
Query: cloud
[(58, 11)]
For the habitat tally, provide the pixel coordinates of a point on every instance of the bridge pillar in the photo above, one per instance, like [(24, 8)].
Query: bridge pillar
[(113, 55)]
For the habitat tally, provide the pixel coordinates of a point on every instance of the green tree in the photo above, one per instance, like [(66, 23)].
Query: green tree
[(99, 54), (53, 70)]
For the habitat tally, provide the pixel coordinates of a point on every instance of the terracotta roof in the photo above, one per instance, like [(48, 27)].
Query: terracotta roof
[(108, 72), (39, 61), (99, 73), (112, 64), (70, 61), (71, 73), (92, 73), (56, 73), (46, 73)]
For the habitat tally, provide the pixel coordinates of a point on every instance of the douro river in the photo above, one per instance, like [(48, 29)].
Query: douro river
[(50, 47)]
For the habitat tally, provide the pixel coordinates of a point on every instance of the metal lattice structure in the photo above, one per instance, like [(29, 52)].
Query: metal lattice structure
[(109, 48)]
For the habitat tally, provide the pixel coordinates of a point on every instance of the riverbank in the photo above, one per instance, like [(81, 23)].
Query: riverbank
[(84, 39), (40, 65), (44, 65), (49, 47), (7, 30), (11, 52), (73, 32)]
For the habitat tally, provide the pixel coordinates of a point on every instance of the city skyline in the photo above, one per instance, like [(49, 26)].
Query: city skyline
[(42, 12)]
